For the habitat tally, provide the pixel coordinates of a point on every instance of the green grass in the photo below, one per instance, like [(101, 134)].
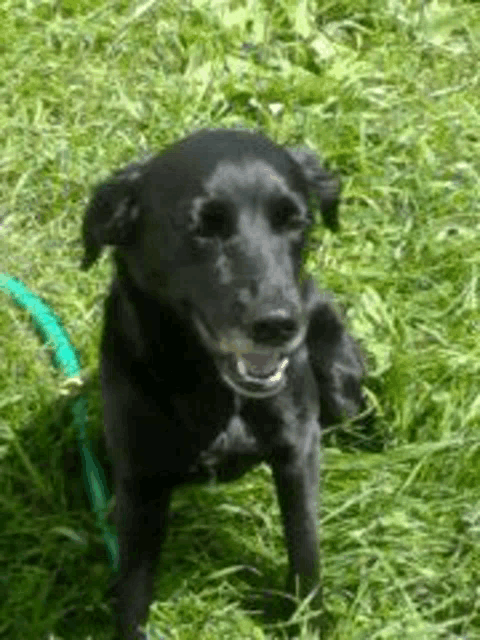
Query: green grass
[(389, 93)]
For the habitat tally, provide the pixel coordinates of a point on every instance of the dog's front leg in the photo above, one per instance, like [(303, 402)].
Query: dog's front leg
[(141, 530), (296, 474)]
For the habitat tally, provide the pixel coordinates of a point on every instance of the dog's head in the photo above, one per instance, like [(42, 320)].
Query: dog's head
[(214, 227)]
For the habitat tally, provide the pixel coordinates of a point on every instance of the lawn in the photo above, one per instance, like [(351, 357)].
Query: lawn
[(389, 93)]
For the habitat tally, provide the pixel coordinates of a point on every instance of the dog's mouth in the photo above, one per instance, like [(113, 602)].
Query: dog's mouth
[(249, 370), (254, 375)]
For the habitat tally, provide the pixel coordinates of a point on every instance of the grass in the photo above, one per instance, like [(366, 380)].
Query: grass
[(389, 93)]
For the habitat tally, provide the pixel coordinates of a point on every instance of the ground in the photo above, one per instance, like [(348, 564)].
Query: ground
[(388, 93)]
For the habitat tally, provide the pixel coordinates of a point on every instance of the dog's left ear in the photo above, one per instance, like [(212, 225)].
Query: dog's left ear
[(323, 184)]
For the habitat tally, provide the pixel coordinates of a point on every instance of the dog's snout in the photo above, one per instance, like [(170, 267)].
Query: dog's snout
[(274, 328)]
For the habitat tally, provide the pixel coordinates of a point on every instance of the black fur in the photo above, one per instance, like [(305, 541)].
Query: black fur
[(214, 356)]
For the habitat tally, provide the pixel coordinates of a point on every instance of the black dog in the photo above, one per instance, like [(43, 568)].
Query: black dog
[(214, 355)]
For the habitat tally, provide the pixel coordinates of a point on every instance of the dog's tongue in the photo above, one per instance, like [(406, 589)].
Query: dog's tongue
[(258, 364)]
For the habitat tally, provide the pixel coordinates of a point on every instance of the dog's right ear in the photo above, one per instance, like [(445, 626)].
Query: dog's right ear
[(111, 215)]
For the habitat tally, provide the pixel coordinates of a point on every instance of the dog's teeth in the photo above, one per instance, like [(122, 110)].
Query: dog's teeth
[(248, 370), (241, 367)]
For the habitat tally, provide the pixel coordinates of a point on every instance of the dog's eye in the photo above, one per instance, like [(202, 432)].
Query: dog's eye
[(215, 221), (285, 215)]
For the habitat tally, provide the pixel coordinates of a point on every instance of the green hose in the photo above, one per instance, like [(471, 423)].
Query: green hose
[(65, 358)]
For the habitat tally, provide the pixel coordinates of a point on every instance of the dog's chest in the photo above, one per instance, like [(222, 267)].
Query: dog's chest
[(195, 406), (201, 416)]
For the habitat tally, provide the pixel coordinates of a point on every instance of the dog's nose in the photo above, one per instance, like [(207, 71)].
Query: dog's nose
[(275, 328)]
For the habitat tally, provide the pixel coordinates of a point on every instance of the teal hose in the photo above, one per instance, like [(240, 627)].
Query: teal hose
[(65, 358)]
